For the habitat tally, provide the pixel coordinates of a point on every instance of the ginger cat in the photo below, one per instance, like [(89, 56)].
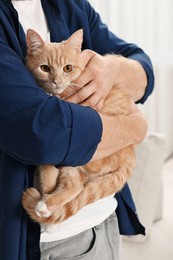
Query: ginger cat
[(63, 192)]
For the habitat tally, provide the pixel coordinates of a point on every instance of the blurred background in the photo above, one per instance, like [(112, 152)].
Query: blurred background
[(149, 23)]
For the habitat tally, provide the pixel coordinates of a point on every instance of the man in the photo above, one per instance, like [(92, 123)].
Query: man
[(37, 129)]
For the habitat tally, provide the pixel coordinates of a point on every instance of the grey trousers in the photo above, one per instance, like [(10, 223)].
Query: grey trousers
[(98, 243)]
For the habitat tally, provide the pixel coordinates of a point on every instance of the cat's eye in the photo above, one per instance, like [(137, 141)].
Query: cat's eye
[(45, 68), (67, 68)]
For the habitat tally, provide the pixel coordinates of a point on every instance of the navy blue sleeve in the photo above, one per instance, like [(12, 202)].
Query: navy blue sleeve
[(36, 128), (104, 41)]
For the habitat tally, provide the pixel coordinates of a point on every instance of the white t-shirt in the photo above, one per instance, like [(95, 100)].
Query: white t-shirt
[(31, 15)]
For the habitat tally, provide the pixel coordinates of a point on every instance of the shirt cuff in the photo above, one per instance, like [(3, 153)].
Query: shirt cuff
[(85, 137), (146, 64)]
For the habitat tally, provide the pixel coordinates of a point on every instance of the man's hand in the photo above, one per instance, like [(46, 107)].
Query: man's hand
[(94, 84), (101, 74)]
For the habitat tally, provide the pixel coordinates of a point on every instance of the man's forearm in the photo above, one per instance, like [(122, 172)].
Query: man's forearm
[(128, 74), (119, 132)]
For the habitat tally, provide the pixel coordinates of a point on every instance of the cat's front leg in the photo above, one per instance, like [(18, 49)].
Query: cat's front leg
[(70, 184), (30, 199), (48, 178)]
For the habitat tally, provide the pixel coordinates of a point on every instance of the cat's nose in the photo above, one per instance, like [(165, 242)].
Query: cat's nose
[(57, 82)]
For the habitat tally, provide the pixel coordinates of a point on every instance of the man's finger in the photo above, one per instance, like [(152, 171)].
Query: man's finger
[(87, 55), (81, 95)]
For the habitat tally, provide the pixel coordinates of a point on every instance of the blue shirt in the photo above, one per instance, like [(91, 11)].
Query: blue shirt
[(38, 129)]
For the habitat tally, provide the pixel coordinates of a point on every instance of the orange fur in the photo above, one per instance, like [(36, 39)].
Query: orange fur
[(66, 190)]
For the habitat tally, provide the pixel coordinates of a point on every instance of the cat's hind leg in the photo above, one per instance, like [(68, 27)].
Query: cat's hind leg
[(94, 190)]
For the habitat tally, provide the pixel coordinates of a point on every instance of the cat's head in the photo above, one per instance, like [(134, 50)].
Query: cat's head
[(54, 65)]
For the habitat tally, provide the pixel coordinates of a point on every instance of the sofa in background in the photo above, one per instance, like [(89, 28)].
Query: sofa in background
[(146, 183)]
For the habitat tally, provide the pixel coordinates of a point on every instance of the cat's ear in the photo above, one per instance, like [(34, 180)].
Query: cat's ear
[(75, 40), (33, 40)]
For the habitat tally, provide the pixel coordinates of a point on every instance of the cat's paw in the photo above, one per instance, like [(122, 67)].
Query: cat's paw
[(42, 210), (51, 228)]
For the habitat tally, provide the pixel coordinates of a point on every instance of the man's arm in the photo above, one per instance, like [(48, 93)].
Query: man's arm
[(101, 74), (119, 132), (104, 72), (36, 128), (128, 74)]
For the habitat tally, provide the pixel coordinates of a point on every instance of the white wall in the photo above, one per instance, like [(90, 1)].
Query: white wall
[(148, 23)]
